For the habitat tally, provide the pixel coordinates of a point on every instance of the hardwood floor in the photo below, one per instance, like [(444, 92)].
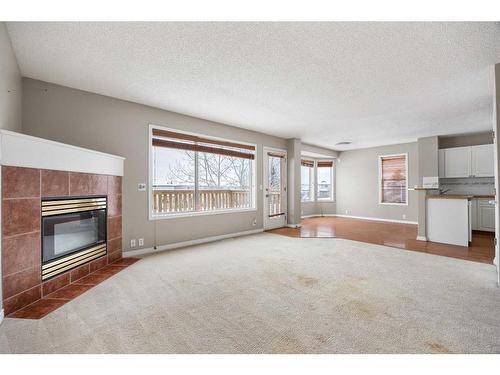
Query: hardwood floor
[(395, 235)]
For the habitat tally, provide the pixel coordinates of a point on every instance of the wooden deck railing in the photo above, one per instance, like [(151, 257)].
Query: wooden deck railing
[(168, 201)]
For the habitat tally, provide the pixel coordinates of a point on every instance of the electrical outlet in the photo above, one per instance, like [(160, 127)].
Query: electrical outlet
[(346, 212), (404, 216), (141, 241), (254, 222), (132, 243)]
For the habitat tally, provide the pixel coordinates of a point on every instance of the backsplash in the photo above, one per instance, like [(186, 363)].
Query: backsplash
[(474, 186)]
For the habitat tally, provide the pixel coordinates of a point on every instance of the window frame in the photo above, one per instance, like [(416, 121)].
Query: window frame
[(332, 180), (380, 174), (253, 177), (312, 181)]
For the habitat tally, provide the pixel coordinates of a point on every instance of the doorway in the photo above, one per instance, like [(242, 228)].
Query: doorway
[(275, 191)]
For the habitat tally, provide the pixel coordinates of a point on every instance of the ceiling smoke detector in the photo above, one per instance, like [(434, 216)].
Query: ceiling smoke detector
[(345, 143)]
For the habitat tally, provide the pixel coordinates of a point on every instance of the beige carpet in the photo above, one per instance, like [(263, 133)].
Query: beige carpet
[(273, 294)]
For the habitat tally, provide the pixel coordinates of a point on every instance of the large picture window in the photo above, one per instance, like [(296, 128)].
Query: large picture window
[(194, 174), (307, 180), (393, 179), (324, 180)]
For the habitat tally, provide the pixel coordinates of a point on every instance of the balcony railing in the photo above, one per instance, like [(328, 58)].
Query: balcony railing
[(170, 201)]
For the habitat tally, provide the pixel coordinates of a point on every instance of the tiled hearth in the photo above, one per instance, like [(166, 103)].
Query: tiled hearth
[(22, 191), (60, 297)]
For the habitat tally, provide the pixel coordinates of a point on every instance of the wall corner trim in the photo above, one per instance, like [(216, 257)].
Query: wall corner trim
[(421, 238), (178, 245)]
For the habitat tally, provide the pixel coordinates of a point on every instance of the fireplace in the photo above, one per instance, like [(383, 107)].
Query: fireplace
[(73, 233)]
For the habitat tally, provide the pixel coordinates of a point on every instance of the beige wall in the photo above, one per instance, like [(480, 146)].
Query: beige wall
[(10, 85), (357, 192), (120, 127)]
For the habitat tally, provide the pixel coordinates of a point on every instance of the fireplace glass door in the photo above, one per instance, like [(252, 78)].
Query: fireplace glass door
[(68, 233)]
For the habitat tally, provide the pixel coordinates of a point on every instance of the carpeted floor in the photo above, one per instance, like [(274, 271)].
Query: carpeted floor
[(273, 294)]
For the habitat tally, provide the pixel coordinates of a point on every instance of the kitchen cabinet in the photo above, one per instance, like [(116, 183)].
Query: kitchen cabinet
[(474, 215), (482, 161), (486, 215), (457, 162), (471, 161), (441, 163)]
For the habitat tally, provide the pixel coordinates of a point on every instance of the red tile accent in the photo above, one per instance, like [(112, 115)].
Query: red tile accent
[(114, 227), (115, 245), (20, 216), (93, 279), (22, 299), (80, 272), (70, 292), (20, 281), (108, 270), (20, 252), (53, 301), (98, 263), (113, 257), (87, 184), (39, 309), (20, 182), (114, 185), (125, 262), (56, 283), (55, 183), (114, 205)]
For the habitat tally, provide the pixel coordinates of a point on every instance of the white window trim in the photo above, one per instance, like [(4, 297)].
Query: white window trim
[(312, 182), (332, 182), (174, 215), (405, 154)]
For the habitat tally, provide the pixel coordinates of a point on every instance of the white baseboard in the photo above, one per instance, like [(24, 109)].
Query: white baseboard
[(295, 226), (369, 218), (421, 238), (1, 316), (178, 245)]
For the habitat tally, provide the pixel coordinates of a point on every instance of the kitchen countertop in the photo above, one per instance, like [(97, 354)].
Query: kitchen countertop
[(458, 196)]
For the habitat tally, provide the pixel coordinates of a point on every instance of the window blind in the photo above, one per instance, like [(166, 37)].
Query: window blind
[(170, 139), (393, 182), (325, 164), (307, 163)]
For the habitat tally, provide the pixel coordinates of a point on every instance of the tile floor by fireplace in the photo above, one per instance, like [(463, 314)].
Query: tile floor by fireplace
[(54, 300)]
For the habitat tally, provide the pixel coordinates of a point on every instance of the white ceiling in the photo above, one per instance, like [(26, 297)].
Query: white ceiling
[(369, 83)]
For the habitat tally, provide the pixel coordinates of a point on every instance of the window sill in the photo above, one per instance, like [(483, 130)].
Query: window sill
[(198, 213), (392, 204), (325, 201)]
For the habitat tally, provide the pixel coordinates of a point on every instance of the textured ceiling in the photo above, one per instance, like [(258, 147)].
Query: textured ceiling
[(368, 83)]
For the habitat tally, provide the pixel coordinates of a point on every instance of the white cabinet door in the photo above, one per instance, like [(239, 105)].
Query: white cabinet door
[(474, 215), (482, 161), (486, 215), (441, 166), (457, 162)]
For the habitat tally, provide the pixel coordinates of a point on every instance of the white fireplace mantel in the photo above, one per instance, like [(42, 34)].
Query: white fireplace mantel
[(21, 150)]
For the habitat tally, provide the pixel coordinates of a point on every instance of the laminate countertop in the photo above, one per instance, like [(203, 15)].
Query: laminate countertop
[(458, 196)]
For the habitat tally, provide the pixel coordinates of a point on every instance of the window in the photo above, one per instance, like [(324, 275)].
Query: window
[(307, 181), (193, 174), (324, 180), (393, 176)]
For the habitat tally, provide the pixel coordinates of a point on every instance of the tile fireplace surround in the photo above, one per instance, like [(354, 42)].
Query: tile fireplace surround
[(22, 191)]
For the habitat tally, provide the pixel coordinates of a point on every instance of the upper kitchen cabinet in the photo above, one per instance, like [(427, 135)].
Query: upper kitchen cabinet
[(457, 162), (482, 161), (473, 161)]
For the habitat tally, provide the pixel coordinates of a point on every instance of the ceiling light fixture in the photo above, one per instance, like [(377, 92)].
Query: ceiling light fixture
[(345, 143)]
